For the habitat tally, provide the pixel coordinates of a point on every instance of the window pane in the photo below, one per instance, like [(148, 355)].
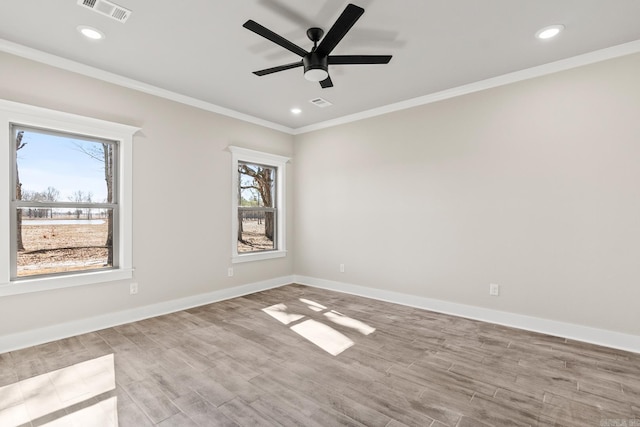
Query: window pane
[(63, 240), (257, 231), (257, 185), (54, 167)]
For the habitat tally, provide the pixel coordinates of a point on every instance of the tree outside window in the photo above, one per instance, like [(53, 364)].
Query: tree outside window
[(256, 210), (65, 204), (258, 205)]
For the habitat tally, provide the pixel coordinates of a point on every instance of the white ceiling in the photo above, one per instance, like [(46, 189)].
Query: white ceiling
[(199, 49)]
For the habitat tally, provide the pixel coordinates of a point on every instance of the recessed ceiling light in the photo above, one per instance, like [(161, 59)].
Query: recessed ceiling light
[(549, 32), (296, 111), (90, 32)]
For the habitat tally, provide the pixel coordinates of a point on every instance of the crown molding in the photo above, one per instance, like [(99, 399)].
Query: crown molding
[(76, 67), (505, 79)]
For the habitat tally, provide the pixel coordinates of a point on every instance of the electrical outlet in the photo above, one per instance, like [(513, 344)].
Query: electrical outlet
[(494, 290), (230, 271), (341, 268), (133, 288)]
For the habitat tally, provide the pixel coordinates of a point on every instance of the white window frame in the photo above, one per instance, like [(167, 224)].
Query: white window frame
[(37, 117), (239, 154)]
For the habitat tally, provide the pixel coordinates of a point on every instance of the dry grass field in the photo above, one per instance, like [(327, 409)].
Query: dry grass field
[(58, 248), (253, 237)]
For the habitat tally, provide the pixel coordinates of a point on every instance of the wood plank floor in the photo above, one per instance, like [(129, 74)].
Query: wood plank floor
[(300, 356)]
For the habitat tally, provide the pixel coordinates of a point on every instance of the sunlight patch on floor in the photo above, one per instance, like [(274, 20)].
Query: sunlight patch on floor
[(349, 322), (101, 414), (58, 391), (279, 312), (324, 336), (313, 305), (320, 334)]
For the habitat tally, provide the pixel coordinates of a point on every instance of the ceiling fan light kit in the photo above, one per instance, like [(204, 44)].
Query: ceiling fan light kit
[(316, 67), (316, 62)]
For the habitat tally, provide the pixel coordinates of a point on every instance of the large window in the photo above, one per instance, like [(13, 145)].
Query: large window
[(258, 205), (65, 217), (65, 203)]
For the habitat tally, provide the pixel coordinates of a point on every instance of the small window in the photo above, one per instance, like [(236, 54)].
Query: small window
[(257, 211), (65, 203), (258, 205)]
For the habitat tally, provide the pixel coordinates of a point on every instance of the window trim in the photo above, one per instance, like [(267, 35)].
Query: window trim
[(43, 118), (239, 154)]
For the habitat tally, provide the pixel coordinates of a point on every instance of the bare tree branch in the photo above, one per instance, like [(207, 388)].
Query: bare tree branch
[(94, 154)]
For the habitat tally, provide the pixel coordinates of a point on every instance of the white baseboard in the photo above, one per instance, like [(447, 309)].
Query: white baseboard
[(64, 330), (571, 331)]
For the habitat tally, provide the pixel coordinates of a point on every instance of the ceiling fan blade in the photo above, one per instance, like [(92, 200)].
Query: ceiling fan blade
[(359, 59), (340, 28), (278, 68), (277, 39), (326, 83)]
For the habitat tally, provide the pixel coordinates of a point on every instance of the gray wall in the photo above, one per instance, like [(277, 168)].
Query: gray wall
[(534, 186), (180, 163)]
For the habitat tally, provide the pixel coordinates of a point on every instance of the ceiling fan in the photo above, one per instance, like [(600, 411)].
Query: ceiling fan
[(316, 62)]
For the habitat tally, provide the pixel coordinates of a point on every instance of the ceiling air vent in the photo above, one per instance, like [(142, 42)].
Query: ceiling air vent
[(107, 8), (319, 102)]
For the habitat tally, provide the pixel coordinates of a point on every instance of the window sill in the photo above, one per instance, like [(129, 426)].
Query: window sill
[(258, 256), (59, 282)]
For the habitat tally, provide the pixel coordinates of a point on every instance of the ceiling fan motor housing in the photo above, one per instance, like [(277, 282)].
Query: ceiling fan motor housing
[(315, 65)]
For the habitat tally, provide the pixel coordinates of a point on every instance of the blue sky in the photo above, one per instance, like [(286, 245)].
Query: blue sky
[(57, 161)]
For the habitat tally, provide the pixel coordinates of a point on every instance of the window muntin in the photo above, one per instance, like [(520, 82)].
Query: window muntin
[(257, 211), (64, 203)]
